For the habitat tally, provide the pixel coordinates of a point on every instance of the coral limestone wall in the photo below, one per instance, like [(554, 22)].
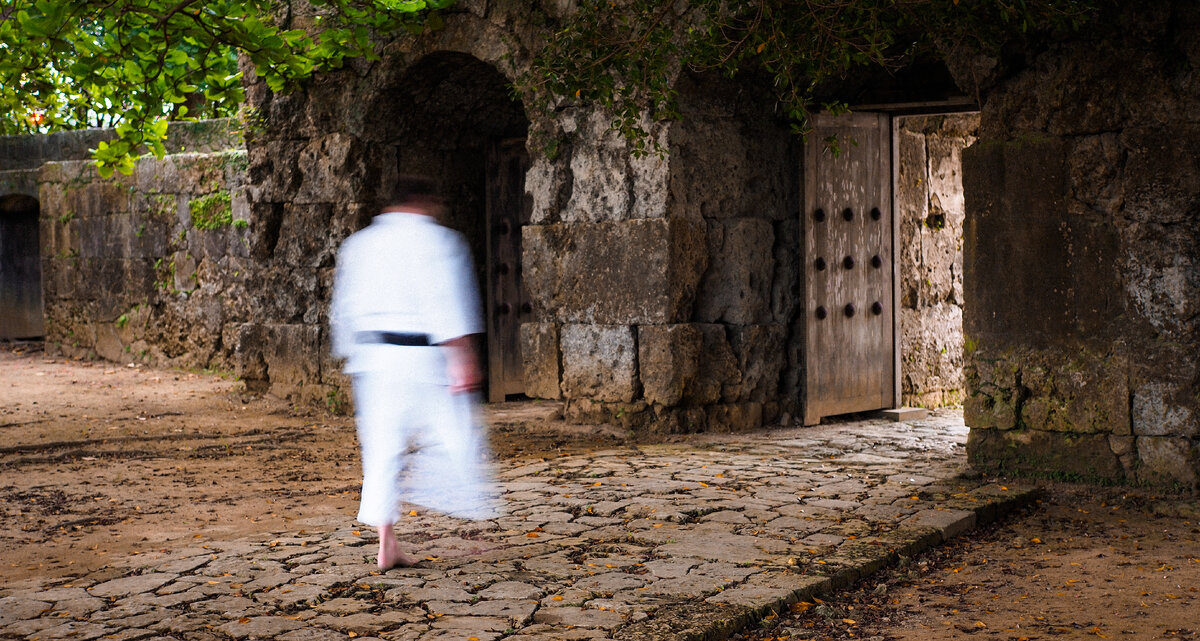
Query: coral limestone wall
[(1083, 256)]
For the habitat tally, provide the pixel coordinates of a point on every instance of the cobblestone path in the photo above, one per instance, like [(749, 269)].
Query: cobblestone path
[(647, 542)]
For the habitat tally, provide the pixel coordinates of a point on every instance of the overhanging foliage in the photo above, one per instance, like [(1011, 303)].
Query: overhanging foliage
[(135, 64)]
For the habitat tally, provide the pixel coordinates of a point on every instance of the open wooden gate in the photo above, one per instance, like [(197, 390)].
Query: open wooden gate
[(507, 302), (849, 271)]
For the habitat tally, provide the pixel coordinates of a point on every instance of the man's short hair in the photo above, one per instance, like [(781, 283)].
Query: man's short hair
[(412, 188)]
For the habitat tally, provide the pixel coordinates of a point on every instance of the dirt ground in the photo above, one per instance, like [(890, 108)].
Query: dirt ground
[(99, 460), (1084, 563)]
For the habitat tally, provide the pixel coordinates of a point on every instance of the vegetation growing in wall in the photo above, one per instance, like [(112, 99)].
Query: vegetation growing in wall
[(212, 211), (625, 56)]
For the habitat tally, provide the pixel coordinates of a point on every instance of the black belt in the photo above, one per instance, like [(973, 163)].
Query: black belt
[(394, 338)]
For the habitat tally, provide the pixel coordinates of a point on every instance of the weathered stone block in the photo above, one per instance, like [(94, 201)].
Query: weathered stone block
[(636, 272), (1084, 393), (734, 417), (303, 237), (273, 173), (736, 287), (1085, 456), (1095, 167), (760, 362), (192, 173), (931, 350), (635, 416), (549, 182), (729, 153), (1160, 172), (284, 356), (993, 392), (599, 362), (333, 169), (1162, 409), (609, 184), (912, 206), (184, 270), (718, 367), (1161, 265), (19, 181), (668, 361), (541, 360), (1167, 460), (1017, 275)]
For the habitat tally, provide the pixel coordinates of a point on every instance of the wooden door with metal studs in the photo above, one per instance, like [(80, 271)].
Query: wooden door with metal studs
[(508, 209), (848, 267)]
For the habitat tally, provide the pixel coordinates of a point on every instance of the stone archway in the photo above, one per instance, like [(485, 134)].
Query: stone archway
[(20, 268), (453, 117)]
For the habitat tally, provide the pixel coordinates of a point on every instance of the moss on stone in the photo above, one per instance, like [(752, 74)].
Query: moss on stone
[(212, 211)]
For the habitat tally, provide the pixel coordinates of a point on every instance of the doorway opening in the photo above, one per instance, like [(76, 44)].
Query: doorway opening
[(21, 313), (930, 210), (453, 117), (883, 264)]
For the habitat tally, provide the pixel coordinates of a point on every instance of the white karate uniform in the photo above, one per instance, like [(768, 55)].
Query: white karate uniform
[(421, 443)]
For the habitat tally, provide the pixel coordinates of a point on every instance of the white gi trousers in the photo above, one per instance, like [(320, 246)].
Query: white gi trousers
[(421, 445)]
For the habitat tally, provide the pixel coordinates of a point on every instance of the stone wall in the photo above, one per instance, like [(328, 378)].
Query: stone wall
[(1083, 242), (666, 284), (929, 202), (658, 297), (147, 267)]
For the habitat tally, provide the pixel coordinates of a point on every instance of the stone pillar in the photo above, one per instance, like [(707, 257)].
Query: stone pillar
[(1082, 247)]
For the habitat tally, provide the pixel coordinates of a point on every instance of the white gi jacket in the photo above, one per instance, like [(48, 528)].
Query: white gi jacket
[(421, 443), (402, 273)]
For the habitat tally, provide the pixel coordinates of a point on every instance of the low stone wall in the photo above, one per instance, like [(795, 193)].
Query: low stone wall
[(148, 267), (929, 202)]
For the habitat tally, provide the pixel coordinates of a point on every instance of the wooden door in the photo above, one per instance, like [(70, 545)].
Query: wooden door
[(849, 274), (20, 269), (507, 303)]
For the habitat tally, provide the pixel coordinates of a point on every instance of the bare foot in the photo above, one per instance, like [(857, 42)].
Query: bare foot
[(390, 555)]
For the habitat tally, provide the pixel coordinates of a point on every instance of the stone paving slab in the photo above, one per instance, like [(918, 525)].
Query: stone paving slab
[(674, 541)]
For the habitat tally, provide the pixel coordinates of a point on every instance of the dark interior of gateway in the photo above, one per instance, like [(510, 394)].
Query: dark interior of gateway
[(20, 269)]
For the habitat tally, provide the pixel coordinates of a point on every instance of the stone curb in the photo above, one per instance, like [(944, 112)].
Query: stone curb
[(722, 615)]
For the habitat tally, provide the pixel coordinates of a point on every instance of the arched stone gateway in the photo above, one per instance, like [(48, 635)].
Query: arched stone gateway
[(667, 292), (452, 117), (21, 313)]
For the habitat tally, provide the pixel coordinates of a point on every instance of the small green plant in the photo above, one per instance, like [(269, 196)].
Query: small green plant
[(212, 211), (335, 401), (67, 217), (122, 320)]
